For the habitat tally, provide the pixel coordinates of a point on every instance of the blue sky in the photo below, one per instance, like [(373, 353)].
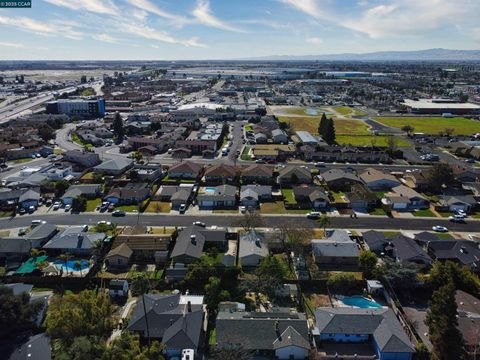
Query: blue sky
[(228, 29)]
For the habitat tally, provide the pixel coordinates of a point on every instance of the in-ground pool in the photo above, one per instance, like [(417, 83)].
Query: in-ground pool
[(70, 265), (210, 189), (361, 302)]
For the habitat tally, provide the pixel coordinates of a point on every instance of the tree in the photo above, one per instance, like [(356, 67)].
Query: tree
[(88, 313), (137, 156), (440, 175), (368, 263), (79, 204), (342, 283), (295, 238), (250, 220), (323, 222), (128, 346), (214, 294), (462, 277), (117, 126), (442, 325), (17, 313), (270, 274), (199, 274), (35, 253), (83, 79), (392, 143), (261, 111), (401, 277), (330, 132), (46, 133), (322, 125), (82, 348), (408, 129), (60, 187)]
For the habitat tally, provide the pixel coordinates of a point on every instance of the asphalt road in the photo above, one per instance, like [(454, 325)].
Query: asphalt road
[(230, 220)]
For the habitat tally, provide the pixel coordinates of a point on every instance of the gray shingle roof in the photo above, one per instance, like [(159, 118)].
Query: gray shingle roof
[(262, 331), (380, 323), (252, 243), (42, 231), (185, 246), (74, 238)]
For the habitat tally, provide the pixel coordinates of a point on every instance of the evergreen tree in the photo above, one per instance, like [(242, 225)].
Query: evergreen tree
[(322, 125), (442, 325), (118, 129), (329, 136)]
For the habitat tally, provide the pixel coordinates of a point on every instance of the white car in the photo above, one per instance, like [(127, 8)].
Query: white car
[(439, 228), (314, 215), (68, 207), (103, 222), (457, 218), (56, 205), (199, 223), (243, 209)]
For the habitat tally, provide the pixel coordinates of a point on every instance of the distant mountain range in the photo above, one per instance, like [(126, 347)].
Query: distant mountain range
[(419, 55)]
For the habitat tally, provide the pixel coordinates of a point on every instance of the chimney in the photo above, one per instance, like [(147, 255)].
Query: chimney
[(193, 239), (189, 306), (277, 327)]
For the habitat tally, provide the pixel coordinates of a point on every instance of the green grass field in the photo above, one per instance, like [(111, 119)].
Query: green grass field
[(351, 127), (433, 125), (311, 123), (92, 204), (348, 111), (366, 140), (158, 207), (424, 213)]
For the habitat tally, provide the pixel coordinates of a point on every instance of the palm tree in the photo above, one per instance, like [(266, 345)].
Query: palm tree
[(64, 258), (324, 221), (35, 253)]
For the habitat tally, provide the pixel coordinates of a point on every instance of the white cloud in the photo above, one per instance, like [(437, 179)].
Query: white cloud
[(314, 40), (309, 7), (105, 38), (203, 14), (12, 45), (150, 7), (27, 24), (157, 35), (95, 6)]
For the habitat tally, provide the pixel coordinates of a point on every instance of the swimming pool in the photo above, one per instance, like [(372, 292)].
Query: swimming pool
[(361, 302), (210, 189), (70, 265)]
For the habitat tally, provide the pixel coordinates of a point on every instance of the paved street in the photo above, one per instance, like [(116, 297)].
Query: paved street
[(229, 220)]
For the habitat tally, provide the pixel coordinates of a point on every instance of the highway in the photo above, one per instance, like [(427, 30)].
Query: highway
[(272, 221)]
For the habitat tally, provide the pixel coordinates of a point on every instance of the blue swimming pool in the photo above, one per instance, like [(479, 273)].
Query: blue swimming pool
[(70, 265), (361, 302), (210, 189)]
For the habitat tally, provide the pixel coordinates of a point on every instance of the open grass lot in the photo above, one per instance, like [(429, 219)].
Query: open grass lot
[(351, 127), (278, 207), (302, 123), (366, 140), (433, 125), (348, 111), (92, 204), (158, 207), (158, 230)]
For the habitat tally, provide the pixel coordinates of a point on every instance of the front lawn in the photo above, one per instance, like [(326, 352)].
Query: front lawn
[(127, 208), (369, 140), (338, 197), (92, 204), (225, 211), (22, 161), (289, 196), (425, 213), (273, 208), (433, 125), (248, 128), (377, 211), (158, 207)]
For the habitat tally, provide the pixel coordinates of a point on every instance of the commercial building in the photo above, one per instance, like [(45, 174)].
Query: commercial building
[(440, 106), (77, 107)]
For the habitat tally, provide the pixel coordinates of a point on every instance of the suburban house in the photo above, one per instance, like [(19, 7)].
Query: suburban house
[(41, 234), (193, 240), (86, 191), (131, 193), (294, 175), (253, 195), (417, 179), (75, 240), (455, 203), (145, 247), (468, 310), (114, 167), (13, 251), (177, 195), (220, 173), (338, 179), (86, 159), (119, 257), (218, 197), (379, 329), (185, 170), (252, 248), (337, 252), (257, 174), (378, 180), (404, 198), (36, 347), (283, 335), (311, 197), (176, 320), (29, 198), (464, 252), (279, 136), (361, 198)]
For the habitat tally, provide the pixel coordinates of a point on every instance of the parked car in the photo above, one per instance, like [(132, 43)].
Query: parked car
[(199, 223), (103, 222), (243, 209), (68, 207), (182, 208), (457, 218), (21, 232), (439, 228), (31, 209), (22, 211), (313, 215), (319, 164), (56, 205), (119, 213)]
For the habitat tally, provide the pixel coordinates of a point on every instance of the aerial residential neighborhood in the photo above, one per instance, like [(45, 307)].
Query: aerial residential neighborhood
[(174, 187)]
